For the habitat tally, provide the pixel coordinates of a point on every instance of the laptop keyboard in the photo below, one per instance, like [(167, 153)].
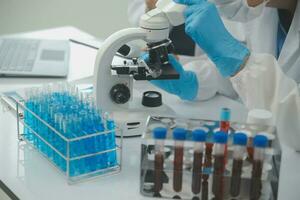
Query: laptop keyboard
[(18, 54)]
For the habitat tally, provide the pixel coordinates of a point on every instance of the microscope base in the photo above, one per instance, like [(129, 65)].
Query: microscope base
[(133, 123)]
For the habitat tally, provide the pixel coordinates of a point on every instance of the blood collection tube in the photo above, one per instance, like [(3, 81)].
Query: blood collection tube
[(220, 139), (179, 135), (207, 166), (239, 142), (199, 137), (225, 120), (260, 143), (258, 121), (225, 125), (159, 135)]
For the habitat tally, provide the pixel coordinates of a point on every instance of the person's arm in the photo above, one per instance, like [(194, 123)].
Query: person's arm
[(136, 8), (211, 81), (237, 10), (150, 4), (262, 84), (198, 80)]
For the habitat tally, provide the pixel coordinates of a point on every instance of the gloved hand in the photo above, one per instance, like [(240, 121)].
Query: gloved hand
[(204, 25), (186, 87)]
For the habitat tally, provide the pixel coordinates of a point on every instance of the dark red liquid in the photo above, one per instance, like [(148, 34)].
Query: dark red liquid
[(256, 185), (177, 175), (159, 164), (218, 180), (197, 172), (204, 194), (224, 126), (207, 164), (250, 150), (235, 184), (208, 155)]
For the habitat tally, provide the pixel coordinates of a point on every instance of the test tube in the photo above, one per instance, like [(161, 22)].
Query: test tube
[(271, 137), (260, 143), (225, 125), (28, 118), (199, 137), (239, 142), (225, 120), (112, 157), (76, 147), (207, 168), (179, 135), (220, 139), (159, 135)]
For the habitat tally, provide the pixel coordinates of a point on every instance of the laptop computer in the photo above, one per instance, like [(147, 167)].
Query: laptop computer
[(34, 57)]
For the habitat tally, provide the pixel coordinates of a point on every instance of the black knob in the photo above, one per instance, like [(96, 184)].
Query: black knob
[(120, 93), (152, 99)]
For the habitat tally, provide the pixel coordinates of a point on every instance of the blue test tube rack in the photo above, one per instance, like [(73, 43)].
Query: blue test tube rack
[(67, 128)]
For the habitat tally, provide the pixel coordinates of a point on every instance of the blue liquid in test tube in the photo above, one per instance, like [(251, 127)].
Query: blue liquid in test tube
[(112, 158)]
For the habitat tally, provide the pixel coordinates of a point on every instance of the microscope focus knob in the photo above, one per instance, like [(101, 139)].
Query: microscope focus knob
[(120, 93)]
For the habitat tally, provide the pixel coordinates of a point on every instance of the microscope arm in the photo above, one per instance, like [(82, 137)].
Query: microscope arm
[(103, 79)]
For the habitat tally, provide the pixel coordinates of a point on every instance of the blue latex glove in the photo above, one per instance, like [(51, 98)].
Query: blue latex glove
[(204, 25), (186, 87)]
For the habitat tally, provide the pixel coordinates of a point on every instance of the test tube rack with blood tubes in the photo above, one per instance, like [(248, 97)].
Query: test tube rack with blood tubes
[(180, 165), (67, 128)]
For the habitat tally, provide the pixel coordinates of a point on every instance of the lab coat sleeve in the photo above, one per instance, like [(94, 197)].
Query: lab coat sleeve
[(262, 84), (237, 10), (136, 8), (210, 80)]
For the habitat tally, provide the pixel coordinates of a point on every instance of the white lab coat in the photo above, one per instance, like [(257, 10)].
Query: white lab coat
[(238, 10), (262, 84), (136, 8)]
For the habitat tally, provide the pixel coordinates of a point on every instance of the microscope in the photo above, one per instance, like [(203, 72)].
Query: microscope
[(113, 85)]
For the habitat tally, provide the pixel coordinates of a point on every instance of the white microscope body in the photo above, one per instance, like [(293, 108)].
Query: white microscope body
[(114, 92)]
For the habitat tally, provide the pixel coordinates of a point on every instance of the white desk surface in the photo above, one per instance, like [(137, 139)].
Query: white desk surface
[(31, 177)]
